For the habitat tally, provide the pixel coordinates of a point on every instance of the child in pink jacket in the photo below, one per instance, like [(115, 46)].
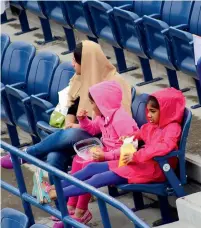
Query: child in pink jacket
[(165, 109), (113, 122)]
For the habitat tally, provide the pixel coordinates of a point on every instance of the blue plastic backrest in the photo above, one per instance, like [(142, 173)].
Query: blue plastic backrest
[(36, 7), (11, 218), (177, 12), (139, 109), (145, 7), (195, 21), (17, 62), (41, 72), (5, 41), (56, 11), (62, 76)]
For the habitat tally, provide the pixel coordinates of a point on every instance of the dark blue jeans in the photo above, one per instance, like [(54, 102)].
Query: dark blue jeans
[(57, 148)]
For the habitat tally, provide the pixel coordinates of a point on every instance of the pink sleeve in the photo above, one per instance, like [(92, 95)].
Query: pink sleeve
[(91, 126), (112, 155), (167, 143)]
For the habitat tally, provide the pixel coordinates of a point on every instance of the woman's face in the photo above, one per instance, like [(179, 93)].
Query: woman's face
[(76, 66)]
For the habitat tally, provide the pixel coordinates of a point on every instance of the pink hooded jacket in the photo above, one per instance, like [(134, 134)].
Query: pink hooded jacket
[(114, 122), (159, 140)]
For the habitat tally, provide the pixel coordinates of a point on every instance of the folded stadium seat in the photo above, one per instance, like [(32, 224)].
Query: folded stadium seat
[(22, 17), (81, 19), (56, 11), (42, 108), (5, 41), (175, 182), (39, 80), (15, 69), (175, 13), (129, 24), (11, 218), (105, 28), (182, 46), (38, 8)]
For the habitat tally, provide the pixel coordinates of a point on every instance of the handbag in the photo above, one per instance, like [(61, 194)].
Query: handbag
[(57, 119)]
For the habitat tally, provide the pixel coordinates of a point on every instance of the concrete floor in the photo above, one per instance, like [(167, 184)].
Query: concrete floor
[(194, 140)]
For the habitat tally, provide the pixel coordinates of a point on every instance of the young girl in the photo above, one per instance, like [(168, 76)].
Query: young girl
[(113, 122)]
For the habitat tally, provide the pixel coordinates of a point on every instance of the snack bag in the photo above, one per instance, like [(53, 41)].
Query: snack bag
[(127, 148)]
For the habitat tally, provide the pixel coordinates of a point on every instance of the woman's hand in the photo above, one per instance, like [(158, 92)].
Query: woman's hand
[(71, 125), (82, 114), (127, 158), (98, 155)]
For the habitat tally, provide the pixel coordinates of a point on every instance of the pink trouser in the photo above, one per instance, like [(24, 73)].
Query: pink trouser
[(82, 201)]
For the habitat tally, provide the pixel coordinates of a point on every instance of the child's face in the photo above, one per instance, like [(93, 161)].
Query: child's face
[(153, 114), (95, 108)]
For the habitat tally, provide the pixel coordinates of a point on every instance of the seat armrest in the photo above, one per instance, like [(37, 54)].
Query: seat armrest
[(41, 95), (125, 7), (15, 92), (19, 85), (49, 111), (37, 101), (183, 35), (147, 20), (166, 157)]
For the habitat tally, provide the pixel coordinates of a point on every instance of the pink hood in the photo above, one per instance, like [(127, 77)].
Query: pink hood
[(107, 96), (172, 104)]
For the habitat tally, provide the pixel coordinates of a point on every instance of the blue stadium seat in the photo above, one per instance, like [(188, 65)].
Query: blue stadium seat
[(5, 41), (175, 13), (182, 46), (42, 108), (15, 69), (129, 23), (57, 12), (81, 19), (38, 83), (105, 28), (22, 17), (11, 218), (38, 8), (175, 180)]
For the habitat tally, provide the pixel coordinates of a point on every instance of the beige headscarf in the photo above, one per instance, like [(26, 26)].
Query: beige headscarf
[(95, 68)]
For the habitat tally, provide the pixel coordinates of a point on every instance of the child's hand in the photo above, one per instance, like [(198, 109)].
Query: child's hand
[(121, 139), (98, 154), (82, 114), (127, 158)]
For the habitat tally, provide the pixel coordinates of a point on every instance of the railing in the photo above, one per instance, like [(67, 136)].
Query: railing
[(27, 199)]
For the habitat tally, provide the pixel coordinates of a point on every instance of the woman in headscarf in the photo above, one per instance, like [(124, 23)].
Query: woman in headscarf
[(91, 67)]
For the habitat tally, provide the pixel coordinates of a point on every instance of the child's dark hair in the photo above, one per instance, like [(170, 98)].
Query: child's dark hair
[(90, 97), (153, 102), (78, 53)]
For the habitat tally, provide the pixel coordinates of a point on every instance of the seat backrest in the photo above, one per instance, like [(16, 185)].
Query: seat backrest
[(41, 72), (36, 7), (5, 41), (182, 145), (195, 21), (139, 109), (62, 76), (177, 12), (145, 7), (17, 62), (56, 11), (13, 218)]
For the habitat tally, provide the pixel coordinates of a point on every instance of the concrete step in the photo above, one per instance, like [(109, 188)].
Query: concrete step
[(178, 224), (189, 209)]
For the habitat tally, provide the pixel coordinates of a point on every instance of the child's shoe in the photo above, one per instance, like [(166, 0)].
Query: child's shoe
[(85, 218), (55, 219), (6, 162), (38, 188), (58, 225)]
